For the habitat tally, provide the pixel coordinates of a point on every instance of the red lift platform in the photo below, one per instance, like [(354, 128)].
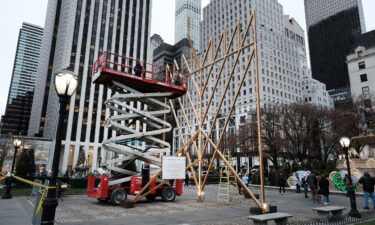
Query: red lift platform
[(134, 80), (144, 78), (114, 194)]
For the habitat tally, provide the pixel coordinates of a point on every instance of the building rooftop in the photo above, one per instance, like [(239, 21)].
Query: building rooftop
[(366, 40)]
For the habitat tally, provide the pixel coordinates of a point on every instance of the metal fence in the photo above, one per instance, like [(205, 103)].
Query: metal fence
[(365, 216)]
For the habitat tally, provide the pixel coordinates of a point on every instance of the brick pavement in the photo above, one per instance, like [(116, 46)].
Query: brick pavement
[(186, 210)]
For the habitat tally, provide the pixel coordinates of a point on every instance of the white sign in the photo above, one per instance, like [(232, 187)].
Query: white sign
[(173, 167), (255, 161)]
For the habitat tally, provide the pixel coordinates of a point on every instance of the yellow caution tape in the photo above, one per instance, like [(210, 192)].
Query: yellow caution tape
[(44, 193)]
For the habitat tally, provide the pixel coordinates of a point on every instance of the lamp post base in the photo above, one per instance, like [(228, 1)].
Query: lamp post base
[(7, 194), (49, 210), (354, 213), (353, 205)]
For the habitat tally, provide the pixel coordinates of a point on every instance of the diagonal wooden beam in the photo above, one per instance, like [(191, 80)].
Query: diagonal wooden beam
[(183, 140), (234, 101), (187, 122)]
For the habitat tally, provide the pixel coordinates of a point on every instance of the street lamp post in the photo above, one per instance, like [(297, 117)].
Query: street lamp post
[(7, 195), (345, 142), (65, 84)]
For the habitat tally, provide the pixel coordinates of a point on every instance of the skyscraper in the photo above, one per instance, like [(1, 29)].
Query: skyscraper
[(75, 40), (22, 84), (332, 27), (26, 61), (188, 9)]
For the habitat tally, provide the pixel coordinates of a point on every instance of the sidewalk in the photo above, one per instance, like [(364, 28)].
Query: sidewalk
[(13, 213), (289, 189)]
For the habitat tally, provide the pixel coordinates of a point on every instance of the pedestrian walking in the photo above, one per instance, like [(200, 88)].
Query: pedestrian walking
[(187, 178), (282, 181), (312, 181), (305, 186), (368, 183), (324, 188)]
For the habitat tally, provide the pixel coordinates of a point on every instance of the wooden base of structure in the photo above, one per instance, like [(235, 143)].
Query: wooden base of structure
[(127, 204), (255, 210)]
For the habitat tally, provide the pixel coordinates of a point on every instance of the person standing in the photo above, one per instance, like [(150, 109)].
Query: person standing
[(177, 78), (186, 179), (245, 179), (249, 177), (305, 186), (324, 188), (138, 69), (368, 183), (297, 182), (282, 181), (312, 181)]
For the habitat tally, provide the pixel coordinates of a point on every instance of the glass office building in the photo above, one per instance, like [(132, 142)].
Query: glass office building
[(77, 33), (333, 27), (187, 9), (25, 66)]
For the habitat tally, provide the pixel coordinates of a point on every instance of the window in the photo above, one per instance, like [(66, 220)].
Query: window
[(362, 65), (365, 90), (363, 77), (360, 54)]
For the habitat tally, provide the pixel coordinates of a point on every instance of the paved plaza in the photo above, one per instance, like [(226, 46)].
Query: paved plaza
[(185, 210)]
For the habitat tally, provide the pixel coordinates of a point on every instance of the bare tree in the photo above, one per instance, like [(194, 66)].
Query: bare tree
[(298, 126), (6, 147), (272, 135)]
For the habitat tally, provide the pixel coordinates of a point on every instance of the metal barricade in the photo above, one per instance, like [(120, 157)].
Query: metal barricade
[(37, 218), (36, 189)]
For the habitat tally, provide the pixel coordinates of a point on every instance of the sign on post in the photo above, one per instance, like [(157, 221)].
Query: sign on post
[(173, 167)]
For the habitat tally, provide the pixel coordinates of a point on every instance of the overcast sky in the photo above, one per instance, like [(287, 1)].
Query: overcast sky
[(14, 12)]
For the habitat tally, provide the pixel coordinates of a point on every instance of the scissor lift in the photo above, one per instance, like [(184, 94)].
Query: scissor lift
[(134, 83)]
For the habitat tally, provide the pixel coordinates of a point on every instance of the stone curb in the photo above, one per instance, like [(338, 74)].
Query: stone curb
[(294, 190)]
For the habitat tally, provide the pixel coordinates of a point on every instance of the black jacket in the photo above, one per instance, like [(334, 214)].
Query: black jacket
[(323, 186), (368, 183), (281, 179), (312, 181)]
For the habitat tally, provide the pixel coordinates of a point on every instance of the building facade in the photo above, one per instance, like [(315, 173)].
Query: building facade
[(165, 54), (361, 66), (25, 65), (77, 33), (16, 119), (187, 10), (42, 148), (332, 27), (155, 41), (282, 60), (25, 68), (314, 92)]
